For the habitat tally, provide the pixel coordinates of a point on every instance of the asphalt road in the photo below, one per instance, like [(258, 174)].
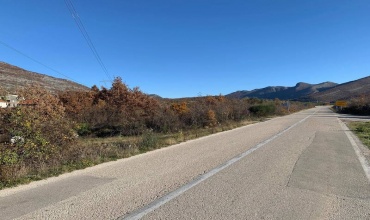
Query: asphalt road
[(302, 166)]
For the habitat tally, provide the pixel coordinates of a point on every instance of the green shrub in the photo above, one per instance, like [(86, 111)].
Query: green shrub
[(8, 157), (262, 110), (362, 130), (83, 129), (357, 109), (149, 140)]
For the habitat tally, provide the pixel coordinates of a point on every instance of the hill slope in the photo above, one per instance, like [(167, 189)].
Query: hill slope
[(344, 91), (13, 78), (281, 92)]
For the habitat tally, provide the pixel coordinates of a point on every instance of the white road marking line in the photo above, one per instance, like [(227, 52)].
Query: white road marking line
[(138, 214), (361, 157)]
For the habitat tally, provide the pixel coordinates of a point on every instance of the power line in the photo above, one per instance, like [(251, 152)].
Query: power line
[(36, 61), (84, 33), (105, 81)]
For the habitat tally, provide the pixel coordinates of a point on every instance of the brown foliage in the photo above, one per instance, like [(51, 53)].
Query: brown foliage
[(76, 102), (48, 105), (211, 118), (180, 108), (118, 110)]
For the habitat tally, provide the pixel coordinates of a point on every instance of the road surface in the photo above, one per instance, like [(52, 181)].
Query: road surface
[(301, 166)]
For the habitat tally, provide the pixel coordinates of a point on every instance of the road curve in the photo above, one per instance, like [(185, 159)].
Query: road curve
[(301, 166)]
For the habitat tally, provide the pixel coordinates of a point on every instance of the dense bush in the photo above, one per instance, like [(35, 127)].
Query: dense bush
[(43, 133), (124, 111), (109, 112), (358, 106), (263, 109), (357, 109)]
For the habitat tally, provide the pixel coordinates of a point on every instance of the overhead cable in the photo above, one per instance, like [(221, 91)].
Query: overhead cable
[(84, 33), (36, 61)]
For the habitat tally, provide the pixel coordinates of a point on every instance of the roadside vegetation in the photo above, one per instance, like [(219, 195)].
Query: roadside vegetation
[(73, 130), (357, 106), (362, 130)]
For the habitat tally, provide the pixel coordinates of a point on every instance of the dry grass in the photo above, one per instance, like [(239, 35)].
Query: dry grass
[(362, 130)]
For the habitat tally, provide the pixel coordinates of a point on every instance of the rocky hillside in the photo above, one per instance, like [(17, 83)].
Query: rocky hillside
[(13, 78), (281, 92), (344, 91)]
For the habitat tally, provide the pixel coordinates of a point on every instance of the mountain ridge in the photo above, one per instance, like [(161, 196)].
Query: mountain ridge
[(300, 90), (13, 78), (344, 91)]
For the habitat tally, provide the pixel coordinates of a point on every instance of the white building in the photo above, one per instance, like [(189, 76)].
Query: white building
[(3, 104), (12, 100)]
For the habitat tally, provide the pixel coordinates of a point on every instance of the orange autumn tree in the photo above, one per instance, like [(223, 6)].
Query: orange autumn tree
[(76, 102), (131, 108), (211, 118), (180, 108)]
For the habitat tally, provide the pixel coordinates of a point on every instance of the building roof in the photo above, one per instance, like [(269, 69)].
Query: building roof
[(11, 97)]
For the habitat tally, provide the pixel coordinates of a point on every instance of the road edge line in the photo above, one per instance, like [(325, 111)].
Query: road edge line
[(361, 158)]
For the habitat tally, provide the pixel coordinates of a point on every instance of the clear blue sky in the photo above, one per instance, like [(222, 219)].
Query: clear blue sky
[(182, 48)]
